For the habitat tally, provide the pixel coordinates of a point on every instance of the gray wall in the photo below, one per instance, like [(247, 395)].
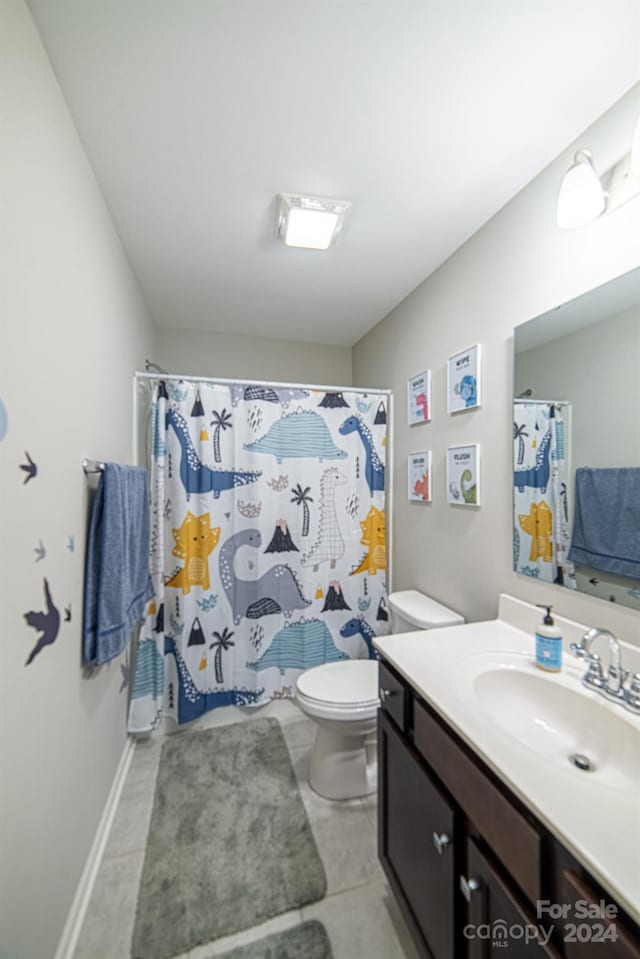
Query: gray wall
[(74, 328), (250, 357), (517, 266)]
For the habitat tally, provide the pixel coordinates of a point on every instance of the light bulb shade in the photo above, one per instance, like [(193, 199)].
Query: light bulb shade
[(310, 222), (635, 151), (581, 198)]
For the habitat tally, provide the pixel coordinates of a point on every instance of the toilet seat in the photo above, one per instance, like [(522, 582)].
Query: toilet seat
[(341, 690)]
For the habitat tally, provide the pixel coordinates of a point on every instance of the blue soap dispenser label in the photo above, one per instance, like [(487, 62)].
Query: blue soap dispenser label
[(548, 643)]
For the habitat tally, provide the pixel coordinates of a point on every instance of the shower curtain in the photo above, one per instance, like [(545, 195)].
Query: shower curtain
[(268, 543), (541, 530)]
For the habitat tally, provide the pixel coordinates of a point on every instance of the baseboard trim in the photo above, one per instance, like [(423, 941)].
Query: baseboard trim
[(77, 912)]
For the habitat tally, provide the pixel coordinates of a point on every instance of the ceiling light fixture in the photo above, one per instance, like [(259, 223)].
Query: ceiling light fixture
[(310, 222), (584, 194)]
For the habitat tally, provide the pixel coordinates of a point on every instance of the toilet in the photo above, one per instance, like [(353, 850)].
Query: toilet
[(342, 698)]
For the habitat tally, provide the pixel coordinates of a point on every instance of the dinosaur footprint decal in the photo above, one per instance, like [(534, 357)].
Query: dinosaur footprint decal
[(46, 622)]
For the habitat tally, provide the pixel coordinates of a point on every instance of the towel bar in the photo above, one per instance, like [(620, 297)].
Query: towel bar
[(92, 466)]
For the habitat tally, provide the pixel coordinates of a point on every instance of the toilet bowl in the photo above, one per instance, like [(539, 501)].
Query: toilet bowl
[(342, 698)]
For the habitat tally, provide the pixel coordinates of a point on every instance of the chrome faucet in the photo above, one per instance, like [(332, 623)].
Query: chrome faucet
[(613, 685)]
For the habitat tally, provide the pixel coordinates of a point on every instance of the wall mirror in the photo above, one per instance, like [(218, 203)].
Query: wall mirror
[(576, 444)]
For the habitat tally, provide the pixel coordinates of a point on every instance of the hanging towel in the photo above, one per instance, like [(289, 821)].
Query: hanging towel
[(606, 525), (117, 580)]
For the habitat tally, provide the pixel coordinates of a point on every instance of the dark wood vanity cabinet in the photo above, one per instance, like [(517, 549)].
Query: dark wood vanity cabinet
[(466, 860)]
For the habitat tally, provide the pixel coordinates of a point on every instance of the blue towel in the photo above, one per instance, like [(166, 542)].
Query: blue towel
[(117, 580), (606, 524)]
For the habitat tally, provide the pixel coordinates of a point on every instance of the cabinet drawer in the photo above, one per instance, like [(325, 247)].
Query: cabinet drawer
[(516, 843), (393, 696)]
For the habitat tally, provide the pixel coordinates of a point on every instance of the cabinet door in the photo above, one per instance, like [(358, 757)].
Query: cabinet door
[(416, 839), (496, 919), (592, 929)]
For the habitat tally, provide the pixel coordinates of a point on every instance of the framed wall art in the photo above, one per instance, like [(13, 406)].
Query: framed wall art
[(463, 475), (419, 398), (419, 477), (464, 380)]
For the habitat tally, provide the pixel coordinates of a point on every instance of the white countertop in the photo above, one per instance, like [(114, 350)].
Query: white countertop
[(599, 824)]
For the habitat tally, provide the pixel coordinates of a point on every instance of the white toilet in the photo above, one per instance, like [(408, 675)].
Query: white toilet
[(342, 698)]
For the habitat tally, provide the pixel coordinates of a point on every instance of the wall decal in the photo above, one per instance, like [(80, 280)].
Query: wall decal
[(30, 469), (125, 672), (4, 421), (71, 544), (40, 551), (46, 622), (67, 613)]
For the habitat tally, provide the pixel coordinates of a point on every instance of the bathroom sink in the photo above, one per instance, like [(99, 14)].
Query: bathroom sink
[(554, 716)]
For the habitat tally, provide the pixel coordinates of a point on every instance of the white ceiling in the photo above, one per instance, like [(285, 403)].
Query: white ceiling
[(428, 114)]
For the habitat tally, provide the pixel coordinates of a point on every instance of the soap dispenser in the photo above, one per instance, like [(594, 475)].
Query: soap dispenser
[(548, 643)]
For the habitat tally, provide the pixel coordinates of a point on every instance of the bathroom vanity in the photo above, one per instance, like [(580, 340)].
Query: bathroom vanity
[(489, 836)]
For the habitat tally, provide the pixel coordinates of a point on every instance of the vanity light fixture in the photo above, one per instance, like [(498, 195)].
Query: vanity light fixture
[(584, 194), (310, 222)]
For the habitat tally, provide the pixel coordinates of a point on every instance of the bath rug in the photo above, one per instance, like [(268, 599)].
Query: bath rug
[(230, 844), (308, 941)]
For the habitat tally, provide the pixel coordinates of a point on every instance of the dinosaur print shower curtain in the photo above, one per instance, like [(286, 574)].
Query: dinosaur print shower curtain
[(268, 543), (541, 531)]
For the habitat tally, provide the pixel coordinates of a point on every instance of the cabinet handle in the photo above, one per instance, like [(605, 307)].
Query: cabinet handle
[(468, 887), (385, 694), (441, 842)]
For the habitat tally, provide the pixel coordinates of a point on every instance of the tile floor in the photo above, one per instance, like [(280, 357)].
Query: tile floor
[(359, 912)]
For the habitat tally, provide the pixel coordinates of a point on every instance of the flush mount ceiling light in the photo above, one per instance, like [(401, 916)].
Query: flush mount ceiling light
[(311, 222), (585, 195)]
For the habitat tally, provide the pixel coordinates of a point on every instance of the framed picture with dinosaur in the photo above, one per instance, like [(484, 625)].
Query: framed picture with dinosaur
[(463, 475), (464, 380), (419, 476), (419, 398)]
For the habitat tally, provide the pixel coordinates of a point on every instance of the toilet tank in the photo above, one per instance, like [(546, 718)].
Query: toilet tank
[(411, 610)]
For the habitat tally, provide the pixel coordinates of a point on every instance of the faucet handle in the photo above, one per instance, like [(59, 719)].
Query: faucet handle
[(594, 675), (632, 695), (578, 650)]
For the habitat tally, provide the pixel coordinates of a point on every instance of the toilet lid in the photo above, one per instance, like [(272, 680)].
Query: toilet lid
[(353, 682)]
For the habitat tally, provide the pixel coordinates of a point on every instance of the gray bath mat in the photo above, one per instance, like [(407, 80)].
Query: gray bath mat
[(229, 846), (308, 941)]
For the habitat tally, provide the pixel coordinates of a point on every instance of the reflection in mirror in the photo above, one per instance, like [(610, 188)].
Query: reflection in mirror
[(576, 444)]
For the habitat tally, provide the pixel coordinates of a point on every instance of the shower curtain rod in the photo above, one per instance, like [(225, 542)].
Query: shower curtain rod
[(276, 386), (549, 402)]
